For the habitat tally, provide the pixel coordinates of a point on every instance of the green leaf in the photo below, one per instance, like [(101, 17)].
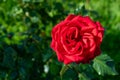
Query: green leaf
[(63, 70), (10, 56), (103, 64), (83, 76), (68, 73), (54, 68)]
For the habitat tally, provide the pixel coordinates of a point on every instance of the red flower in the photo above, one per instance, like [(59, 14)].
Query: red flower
[(77, 39)]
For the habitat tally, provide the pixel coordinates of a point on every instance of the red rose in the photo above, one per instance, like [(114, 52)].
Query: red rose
[(77, 39)]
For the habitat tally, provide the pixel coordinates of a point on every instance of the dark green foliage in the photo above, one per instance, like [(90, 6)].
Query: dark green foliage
[(25, 36)]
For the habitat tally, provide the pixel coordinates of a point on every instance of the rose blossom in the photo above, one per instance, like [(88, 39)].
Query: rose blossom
[(77, 39)]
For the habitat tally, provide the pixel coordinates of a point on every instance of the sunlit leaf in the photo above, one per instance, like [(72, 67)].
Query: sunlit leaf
[(103, 64)]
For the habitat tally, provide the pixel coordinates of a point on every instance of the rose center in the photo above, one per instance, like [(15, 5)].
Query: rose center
[(73, 35)]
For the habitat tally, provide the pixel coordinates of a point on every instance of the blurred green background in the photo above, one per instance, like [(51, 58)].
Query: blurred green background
[(25, 36)]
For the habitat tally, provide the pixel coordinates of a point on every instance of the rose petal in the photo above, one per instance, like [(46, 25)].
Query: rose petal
[(88, 21), (75, 22), (87, 35), (97, 51), (85, 42), (100, 28), (95, 32), (74, 58), (53, 45), (92, 45), (60, 52), (100, 35), (70, 17)]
